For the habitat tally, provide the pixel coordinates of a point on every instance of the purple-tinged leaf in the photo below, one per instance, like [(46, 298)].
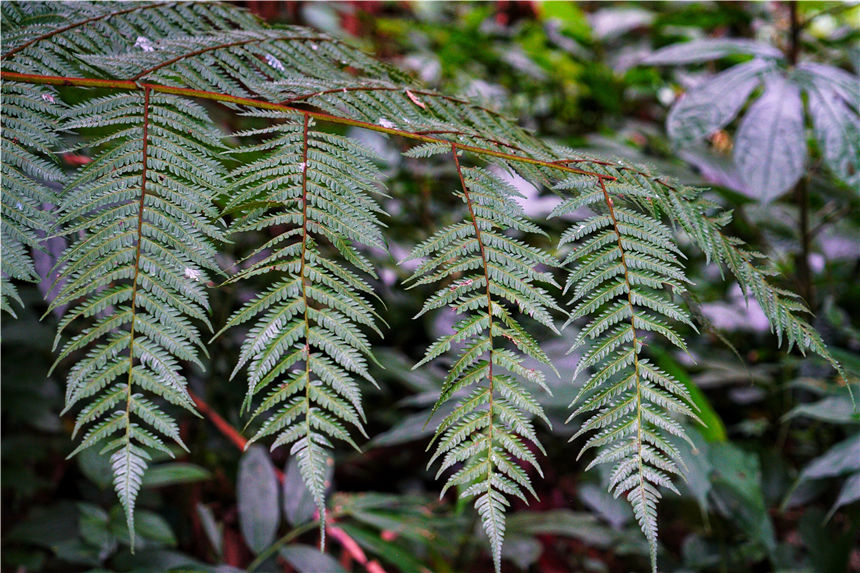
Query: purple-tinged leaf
[(837, 129), (709, 49), (259, 510), (840, 81), (714, 103), (770, 147)]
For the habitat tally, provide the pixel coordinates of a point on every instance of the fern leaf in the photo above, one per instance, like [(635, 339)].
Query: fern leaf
[(145, 226), (622, 285), (141, 210), (306, 347), (485, 435), (704, 222), (29, 137)]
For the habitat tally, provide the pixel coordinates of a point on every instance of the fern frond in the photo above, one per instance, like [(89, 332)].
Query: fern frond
[(623, 264), (50, 37), (144, 221), (135, 276), (484, 439), (306, 346), (704, 222), (29, 137)]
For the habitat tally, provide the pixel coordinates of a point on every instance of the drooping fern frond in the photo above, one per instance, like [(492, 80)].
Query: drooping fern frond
[(144, 223), (704, 222), (490, 278), (29, 138), (135, 277), (306, 347), (624, 262)]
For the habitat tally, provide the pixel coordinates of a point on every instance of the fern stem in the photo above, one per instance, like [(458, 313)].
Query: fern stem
[(636, 371), (387, 89), (310, 446), (255, 103), (489, 298), (458, 132), (490, 389), (145, 136)]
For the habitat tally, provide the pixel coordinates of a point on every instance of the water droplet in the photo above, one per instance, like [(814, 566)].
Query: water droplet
[(274, 62), (144, 44)]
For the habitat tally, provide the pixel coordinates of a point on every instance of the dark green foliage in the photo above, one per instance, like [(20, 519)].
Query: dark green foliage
[(147, 219)]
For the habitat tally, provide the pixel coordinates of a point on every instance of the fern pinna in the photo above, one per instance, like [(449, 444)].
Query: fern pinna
[(144, 220), (144, 214), (306, 346), (489, 277), (624, 263), (29, 127)]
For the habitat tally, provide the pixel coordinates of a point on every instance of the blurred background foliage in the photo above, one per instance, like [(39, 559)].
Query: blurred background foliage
[(774, 481)]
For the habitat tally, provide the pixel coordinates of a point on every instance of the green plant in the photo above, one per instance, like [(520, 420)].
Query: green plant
[(146, 217), (770, 150)]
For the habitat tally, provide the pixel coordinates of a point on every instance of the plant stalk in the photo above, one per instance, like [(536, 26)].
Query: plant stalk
[(801, 189), (259, 104)]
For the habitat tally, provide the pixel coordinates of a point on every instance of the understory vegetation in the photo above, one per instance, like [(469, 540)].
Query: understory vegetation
[(430, 287)]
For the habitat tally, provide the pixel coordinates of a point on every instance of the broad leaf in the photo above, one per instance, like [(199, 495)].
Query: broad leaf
[(310, 560), (709, 49), (842, 458), (714, 103), (849, 494), (770, 147), (844, 83), (259, 510), (173, 474), (299, 504), (837, 129)]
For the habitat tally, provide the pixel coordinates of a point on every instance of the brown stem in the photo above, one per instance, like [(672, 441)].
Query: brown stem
[(250, 102), (794, 34), (801, 191), (804, 273), (232, 434)]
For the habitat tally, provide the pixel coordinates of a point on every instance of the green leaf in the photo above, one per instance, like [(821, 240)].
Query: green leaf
[(563, 522), (708, 49), (310, 560), (738, 493), (770, 146), (842, 458), (833, 410), (257, 497), (712, 428), (173, 474), (299, 504), (849, 493), (214, 531)]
